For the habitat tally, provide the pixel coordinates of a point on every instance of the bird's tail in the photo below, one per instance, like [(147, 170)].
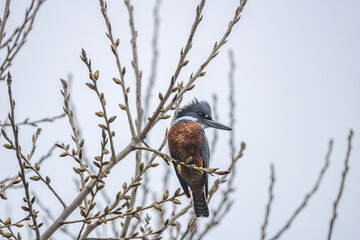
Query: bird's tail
[(200, 206)]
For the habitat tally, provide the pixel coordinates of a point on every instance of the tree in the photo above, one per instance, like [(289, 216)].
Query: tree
[(132, 211)]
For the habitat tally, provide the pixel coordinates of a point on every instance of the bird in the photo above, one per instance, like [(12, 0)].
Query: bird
[(188, 143)]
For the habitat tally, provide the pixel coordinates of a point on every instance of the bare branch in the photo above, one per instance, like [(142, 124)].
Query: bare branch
[(17, 148), (135, 65), (50, 217), (99, 185), (226, 178), (155, 56), (36, 122), (232, 102), (15, 42), (4, 19), (122, 195), (145, 184), (225, 204), (36, 169), (121, 70), (160, 111), (169, 159), (15, 179), (88, 188), (200, 72), (268, 205), (344, 174), (17, 223), (308, 196), (149, 91), (170, 221), (76, 138), (216, 116), (101, 96), (130, 211), (139, 119)]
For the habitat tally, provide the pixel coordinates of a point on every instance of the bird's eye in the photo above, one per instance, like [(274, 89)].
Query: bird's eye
[(201, 114)]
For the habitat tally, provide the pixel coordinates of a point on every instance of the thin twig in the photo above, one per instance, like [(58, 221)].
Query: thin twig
[(225, 204), (50, 217), (36, 169), (8, 224), (232, 102), (43, 158), (169, 159), (15, 129), (75, 137), (155, 57), (121, 70), (107, 199), (101, 96), (77, 123), (149, 91), (4, 19), (100, 184), (17, 223), (218, 216), (19, 37), (130, 211), (165, 186), (167, 174), (200, 72), (14, 180), (268, 205), (226, 178), (160, 110), (122, 195), (216, 116), (170, 221), (139, 119), (135, 65), (308, 196), (36, 122), (344, 174), (146, 178)]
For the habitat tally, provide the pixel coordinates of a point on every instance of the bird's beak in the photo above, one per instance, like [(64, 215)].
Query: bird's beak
[(214, 124)]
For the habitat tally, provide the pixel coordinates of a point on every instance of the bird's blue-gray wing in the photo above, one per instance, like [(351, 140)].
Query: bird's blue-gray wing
[(205, 154), (183, 184)]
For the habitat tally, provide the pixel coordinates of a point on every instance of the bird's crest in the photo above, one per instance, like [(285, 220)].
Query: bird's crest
[(195, 106)]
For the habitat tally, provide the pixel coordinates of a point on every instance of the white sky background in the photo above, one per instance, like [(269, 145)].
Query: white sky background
[(297, 85)]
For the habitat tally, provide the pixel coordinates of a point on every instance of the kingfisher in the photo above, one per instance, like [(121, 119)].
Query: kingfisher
[(188, 143)]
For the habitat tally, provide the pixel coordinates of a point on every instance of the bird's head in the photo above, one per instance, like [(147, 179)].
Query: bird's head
[(200, 112)]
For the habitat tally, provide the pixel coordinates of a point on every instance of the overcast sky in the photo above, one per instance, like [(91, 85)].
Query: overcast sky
[(297, 84)]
